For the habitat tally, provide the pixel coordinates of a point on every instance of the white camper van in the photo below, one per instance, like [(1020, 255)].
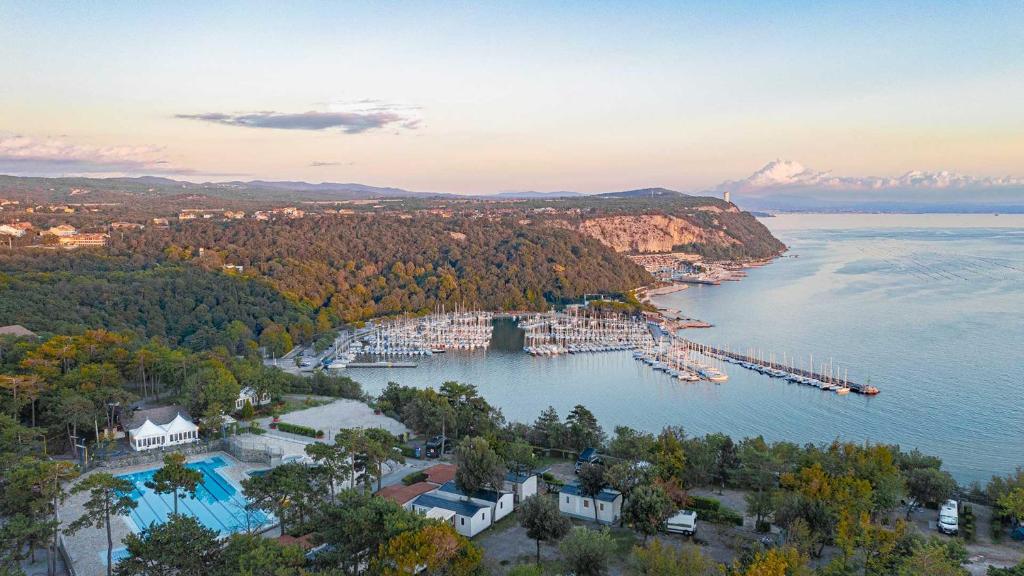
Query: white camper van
[(684, 522), (949, 518)]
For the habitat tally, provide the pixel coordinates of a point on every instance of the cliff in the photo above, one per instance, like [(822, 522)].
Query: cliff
[(714, 229)]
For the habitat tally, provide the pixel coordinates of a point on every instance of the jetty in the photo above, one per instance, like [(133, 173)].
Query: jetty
[(381, 364), (826, 378)]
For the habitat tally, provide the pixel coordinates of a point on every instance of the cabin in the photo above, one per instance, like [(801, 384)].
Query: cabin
[(522, 485), (248, 394), (500, 503), (469, 518), (160, 428), (572, 502)]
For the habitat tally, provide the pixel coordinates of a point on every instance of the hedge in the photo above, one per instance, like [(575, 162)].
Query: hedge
[(410, 479), (300, 430), (712, 511)]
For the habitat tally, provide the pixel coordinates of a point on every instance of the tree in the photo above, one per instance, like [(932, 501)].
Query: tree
[(358, 525), (586, 552), (669, 459), (647, 510), (334, 462), (380, 446), (935, 558), (478, 466), (519, 457), (726, 462), (630, 444), (584, 431), (548, 429), (657, 559), (248, 412), (591, 479), (433, 549), (760, 505), (1012, 504), (543, 522), (108, 496), (175, 478), (179, 547), (254, 555), (28, 385), (282, 489), (777, 562), (930, 485)]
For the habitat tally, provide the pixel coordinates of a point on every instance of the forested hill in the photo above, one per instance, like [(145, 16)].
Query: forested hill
[(362, 266), (69, 293)]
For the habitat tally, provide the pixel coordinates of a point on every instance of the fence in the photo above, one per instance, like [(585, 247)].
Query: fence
[(252, 451), (155, 454)]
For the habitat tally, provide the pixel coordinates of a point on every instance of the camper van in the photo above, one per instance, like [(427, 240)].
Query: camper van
[(684, 522), (949, 518)]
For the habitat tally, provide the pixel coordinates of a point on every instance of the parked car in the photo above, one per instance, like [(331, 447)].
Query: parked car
[(434, 446), (684, 522), (588, 456)]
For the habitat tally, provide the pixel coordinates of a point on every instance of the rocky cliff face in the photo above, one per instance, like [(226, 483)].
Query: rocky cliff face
[(714, 232), (650, 233)]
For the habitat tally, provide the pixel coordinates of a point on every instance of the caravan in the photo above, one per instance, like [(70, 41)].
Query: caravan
[(949, 518)]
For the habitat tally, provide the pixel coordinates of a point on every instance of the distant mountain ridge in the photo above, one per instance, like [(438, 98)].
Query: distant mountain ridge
[(282, 190)]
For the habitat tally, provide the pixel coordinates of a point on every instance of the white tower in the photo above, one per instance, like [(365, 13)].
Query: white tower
[(726, 196)]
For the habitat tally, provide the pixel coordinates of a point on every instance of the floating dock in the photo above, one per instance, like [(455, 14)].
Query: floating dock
[(381, 365)]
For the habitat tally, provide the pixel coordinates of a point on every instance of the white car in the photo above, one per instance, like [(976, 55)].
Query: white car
[(684, 522)]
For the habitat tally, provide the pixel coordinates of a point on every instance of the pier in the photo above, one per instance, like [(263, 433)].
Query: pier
[(382, 364), (825, 380)]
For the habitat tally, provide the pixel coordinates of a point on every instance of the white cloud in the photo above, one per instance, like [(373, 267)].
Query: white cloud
[(26, 155)]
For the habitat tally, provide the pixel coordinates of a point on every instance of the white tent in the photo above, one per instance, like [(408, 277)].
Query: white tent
[(180, 431), (147, 436)]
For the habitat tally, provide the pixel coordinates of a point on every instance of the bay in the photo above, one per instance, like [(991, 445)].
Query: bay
[(929, 308)]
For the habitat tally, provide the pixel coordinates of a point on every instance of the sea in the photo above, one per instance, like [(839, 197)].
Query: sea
[(928, 308)]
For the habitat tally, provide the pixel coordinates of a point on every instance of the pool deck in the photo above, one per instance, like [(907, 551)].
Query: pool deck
[(87, 549)]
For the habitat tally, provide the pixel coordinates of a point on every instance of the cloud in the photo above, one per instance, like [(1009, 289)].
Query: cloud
[(25, 155), (318, 164), (348, 117), (789, 175)]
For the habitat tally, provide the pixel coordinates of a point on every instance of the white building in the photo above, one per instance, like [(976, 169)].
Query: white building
[(155, 428), (500, 503), (8, 230), (469, 518), (571, 502), (521, 484), (248, 394)]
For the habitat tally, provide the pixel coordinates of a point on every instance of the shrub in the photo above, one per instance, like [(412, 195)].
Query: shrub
[(418, 476), (299, 429), (712, 511)]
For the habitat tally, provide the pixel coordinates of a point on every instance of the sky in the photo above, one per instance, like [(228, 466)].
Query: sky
[(481, 97)]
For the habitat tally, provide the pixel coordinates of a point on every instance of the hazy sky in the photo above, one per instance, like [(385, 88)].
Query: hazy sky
[(482, 97)]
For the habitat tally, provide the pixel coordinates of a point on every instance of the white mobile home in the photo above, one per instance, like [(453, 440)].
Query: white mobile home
[(468, 517), (500, 503), (572, 502), (248, 394), (521, 484)]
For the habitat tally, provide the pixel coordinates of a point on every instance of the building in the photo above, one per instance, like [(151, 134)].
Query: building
[(8, 230), (18, 331), (572, 502), (468, 517), (522, 485), (500, 503), (62, 231), (183, 215), (77, 240), (160, 427), (162, 222), (126, 226), (233, 215), (248, 394), (726, 196)]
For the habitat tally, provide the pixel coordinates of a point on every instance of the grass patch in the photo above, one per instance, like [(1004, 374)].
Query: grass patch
[(506, 523)]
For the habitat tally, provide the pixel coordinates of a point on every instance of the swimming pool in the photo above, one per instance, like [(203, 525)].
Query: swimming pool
[(218, 504)]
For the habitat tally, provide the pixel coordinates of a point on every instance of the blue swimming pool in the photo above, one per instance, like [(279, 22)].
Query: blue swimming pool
[(218, 504)]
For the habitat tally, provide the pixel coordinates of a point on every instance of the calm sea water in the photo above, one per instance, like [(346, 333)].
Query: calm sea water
[(929, 308)]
